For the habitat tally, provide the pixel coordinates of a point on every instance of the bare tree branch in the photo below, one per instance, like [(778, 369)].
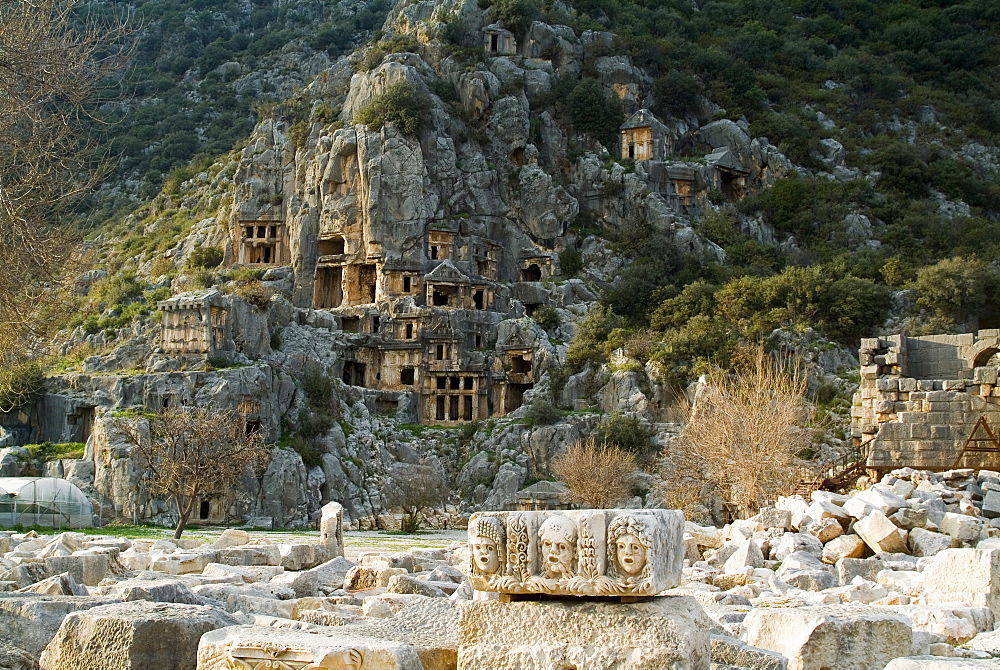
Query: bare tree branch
[(195, 453), (743, 434), (52, 62), (599, 476)]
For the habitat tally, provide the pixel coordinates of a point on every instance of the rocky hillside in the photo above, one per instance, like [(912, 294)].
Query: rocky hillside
[(493, 230)]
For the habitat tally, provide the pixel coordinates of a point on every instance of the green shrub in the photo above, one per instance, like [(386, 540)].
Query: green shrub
[(325, 114), (958, 290), (317, 385), (625, 432), (596, 113), (720, 227), (117, 289), (205, 257), (541, 413), (515, 15), (678, 93), (401, 105), (255, 293), (570, 262), (547, 317), (590, 337)]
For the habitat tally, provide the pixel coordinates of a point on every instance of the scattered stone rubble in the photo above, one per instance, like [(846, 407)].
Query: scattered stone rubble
[(905, 574)]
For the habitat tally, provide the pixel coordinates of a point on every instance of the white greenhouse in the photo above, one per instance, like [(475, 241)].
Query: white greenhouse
[(43, 501)]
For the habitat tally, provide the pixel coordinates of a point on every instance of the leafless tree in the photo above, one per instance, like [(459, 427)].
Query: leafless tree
[(191, 454), (414, 489), (53, 61), (745, 430), (598, 475)]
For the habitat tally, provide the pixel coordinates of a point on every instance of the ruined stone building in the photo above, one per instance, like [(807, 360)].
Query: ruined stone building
[(193, 323), (929, 402), (499, 41), (645, 138)]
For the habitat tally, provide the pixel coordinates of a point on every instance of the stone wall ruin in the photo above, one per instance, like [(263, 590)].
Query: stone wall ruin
[(922, 401)]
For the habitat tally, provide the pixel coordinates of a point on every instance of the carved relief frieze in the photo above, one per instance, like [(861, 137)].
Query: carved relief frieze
[(577, 553)]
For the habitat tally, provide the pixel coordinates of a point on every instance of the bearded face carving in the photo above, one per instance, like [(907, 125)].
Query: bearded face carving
[(558, 540)]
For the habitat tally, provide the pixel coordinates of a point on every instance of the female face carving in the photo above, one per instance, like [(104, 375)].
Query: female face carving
[(485, 554), (630, 554)]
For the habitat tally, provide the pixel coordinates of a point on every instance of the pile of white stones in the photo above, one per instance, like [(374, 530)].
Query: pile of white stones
[(908, 567), (904, 575)]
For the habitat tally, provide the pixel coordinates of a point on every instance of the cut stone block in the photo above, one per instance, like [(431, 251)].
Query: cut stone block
[(360, 578), (940, 663), (331, 528), (789, 543), (866, 568), (31, 620), (89, 568), (908, 519), (825, 530), (962, 527), (927, 543), (139, 635), (669, 632), (748, 555), (577, 553), (771, 517), (845, 546), (885, 501), (57, 585), (969, 576), (250, 554), (842, 637), (991, 504), (880, 534), (732, 652)]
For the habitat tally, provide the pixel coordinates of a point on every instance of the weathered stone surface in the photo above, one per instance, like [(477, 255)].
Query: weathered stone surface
[(961, 527), (139, 635), (879, 533), (733, 652), (940, 663), (988, 641), (789, 543), (331, 528), (57, 585), (748, 555), (771, 517), (154, 590), (866, 568), (360, 578), (87, 568), (884, 501), (969, 576), (407, 584), (845, 546), (825, 530), (578, 553), (256, 646), (331, 574), (925, 542), (659, 633), (842, 637), (33, 620), (13, 658)]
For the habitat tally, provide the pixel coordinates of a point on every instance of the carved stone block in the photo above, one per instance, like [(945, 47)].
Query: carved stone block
[(608, 552)]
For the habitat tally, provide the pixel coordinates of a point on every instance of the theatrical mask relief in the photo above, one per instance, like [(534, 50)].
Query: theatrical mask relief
[(607, 552)]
